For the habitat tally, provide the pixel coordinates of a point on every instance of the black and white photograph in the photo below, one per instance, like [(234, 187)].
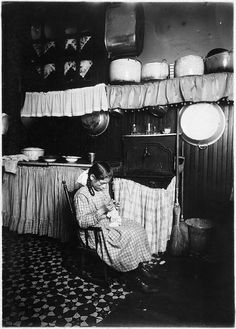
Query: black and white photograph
[(117, 164)]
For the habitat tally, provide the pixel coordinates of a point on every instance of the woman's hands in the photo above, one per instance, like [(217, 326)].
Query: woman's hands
[(116, 204), (110, 205), (102, 212)]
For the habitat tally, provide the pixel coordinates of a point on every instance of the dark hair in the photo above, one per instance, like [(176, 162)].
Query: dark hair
[(100, 170)]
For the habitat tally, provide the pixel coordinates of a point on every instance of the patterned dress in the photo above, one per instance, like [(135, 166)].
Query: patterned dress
[(122, 247)]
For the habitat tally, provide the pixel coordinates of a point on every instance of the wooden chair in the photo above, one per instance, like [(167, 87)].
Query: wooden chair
[(79, 250)]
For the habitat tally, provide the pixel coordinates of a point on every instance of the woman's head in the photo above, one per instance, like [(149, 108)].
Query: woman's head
[(99, 175)]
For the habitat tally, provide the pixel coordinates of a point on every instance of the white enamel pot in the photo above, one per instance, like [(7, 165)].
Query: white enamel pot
[(33, 153), (189, 65), (155, 71), (125, 70)]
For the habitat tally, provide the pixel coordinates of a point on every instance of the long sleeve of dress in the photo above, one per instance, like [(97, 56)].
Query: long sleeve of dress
[(86, 214)]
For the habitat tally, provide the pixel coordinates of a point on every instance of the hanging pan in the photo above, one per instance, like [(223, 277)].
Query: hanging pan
[(96, 123), (158, 111), (202, 124)]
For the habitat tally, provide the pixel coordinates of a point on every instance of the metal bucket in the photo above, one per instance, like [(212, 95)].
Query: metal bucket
[(199, 234)]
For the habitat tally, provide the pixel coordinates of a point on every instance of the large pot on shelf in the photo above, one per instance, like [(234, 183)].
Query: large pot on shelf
[(126, 70), (189, 65), (219, 62), (155, 71)]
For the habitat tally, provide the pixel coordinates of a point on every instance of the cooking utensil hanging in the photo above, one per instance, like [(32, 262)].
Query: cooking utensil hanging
[(179, 238), (201, 124), (124, 29), (158, 111), (96, 123)]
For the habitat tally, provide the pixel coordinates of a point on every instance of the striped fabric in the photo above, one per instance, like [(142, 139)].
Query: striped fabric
[(33, 200), (123, 247), (152, 208)]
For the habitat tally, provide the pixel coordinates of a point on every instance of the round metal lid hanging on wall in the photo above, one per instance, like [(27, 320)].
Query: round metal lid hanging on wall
[(201, 124)]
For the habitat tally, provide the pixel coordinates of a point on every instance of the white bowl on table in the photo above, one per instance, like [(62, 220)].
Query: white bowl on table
[(71, 158), (50, 158), (33, 153)]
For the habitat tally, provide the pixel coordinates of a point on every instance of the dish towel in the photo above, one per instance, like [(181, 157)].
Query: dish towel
[(10, 162)]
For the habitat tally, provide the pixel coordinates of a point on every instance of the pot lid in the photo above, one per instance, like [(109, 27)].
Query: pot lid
[(96, 123), (158, 111), (202, 124)]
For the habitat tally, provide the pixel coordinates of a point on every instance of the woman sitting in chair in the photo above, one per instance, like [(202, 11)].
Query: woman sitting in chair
[(124, 245)]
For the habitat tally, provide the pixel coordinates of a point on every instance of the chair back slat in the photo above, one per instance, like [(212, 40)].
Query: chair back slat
[(95, 230), (86, 238), (97, 239), (68, 197), (83, 246)]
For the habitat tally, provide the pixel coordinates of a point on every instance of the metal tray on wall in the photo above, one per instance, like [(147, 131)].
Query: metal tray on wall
[(202, 124), (124, 29)]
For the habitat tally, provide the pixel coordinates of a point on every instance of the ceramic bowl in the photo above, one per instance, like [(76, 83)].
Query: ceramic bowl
[(72, 158), (33, 153), (50, 158)]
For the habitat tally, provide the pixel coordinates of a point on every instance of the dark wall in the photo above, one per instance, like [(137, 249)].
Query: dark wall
[(59, 135), (209, 176)]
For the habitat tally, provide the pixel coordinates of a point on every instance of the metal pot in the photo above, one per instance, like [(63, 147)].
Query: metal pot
[(216, 51), (125, 70), (189, 65), (95, 123), (201, 124), (221, 62), (155, 71), (124, 29)]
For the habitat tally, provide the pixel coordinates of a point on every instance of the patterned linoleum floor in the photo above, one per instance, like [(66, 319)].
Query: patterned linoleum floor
[(39, 291)]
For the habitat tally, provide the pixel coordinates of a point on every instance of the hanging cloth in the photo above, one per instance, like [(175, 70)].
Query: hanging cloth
[(71, 102)]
